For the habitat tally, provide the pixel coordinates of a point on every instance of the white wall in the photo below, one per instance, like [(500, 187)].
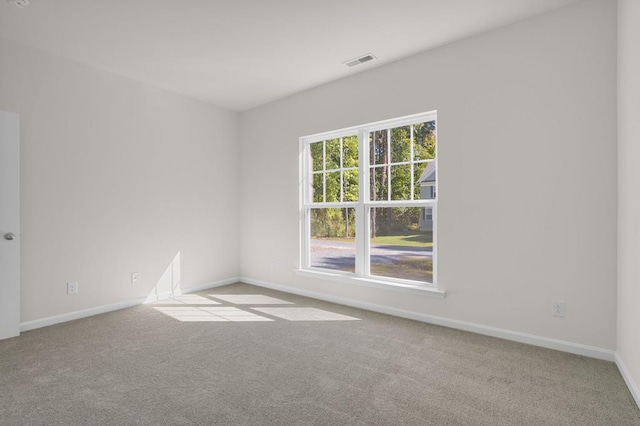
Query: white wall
[(628, 194), (530, 111), (116, 177)]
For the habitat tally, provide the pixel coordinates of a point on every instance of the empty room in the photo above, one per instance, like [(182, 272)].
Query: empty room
[(408, 212)]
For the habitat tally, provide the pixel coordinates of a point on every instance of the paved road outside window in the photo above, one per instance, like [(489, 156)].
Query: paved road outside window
[(341, 255)]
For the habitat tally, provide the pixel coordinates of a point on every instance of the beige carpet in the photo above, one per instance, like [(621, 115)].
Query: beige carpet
[(243, 355)]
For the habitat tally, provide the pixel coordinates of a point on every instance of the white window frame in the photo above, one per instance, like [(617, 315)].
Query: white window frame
[(362, 207)]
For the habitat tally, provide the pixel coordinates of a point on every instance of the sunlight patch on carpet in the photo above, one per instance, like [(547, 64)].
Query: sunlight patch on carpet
[(305, 314), (188, 299), (209, 314), (250, 299)]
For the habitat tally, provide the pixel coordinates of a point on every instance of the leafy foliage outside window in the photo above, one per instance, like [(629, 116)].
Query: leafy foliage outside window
[(335, 179), (332, 223), (335, 170)]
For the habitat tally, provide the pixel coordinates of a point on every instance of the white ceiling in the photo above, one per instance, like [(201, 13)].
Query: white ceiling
[(240, 54)]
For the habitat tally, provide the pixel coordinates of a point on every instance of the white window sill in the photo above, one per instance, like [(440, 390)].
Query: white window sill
[(370, 282)]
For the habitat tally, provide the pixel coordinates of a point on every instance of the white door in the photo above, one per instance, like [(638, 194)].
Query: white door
[(9, 224)]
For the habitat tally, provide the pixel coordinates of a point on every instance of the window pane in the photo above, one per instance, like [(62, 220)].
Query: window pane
[(401, 244), (425, 180), (401, 182), (350, 151), (379, 189), (417, 172), (316, 155), (424, 136), (318, 195), (401, 144), (332, 242), (333, 154), (350, 185), (378, 147), (333, 187)]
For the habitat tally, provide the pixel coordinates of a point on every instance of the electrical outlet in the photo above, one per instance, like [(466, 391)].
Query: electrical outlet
[(72, 287), (135, 278), (558, 308)]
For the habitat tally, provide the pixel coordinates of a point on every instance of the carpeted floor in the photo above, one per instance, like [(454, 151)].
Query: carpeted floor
[(218, 359)]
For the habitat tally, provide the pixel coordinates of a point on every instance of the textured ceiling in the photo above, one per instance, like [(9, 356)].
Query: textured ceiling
[(239, 54)]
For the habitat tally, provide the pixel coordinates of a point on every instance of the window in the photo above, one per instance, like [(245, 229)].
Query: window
[(369, 202)]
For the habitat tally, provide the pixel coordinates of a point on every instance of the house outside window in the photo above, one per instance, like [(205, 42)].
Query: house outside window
[(368, 201)]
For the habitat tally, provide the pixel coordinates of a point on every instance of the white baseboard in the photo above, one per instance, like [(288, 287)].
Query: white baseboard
[(516, 336), (70, 316), (631, 384)]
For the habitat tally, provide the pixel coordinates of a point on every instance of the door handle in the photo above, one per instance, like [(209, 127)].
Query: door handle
[(9, 236)]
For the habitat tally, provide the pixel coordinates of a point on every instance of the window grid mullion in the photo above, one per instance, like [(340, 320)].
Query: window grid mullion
[(341, 172), (334, 205), (363, 182), (388, 164), (402, 203), (324, 171), (411, 169)]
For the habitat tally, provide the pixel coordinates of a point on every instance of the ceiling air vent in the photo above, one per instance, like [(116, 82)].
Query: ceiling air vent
[(361, 60), (20, 3)]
